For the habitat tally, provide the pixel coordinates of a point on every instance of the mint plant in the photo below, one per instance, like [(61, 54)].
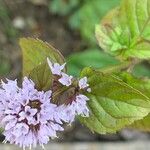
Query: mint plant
[(105, 100), (125, 30)]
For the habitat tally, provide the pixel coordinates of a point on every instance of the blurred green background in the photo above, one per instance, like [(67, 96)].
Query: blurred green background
[(69, 26)]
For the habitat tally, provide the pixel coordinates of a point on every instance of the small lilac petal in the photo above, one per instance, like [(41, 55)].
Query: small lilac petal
[(10, 124), (32, 112), (83, 83), (48, 94), (49, 63), (81, 107), (82, 97), (56, 127), (56, 68), (32, 121), (21, 128), (66, 79), (8, 118), (11, 87), (28, 84), (9, 111), (22, 115), (27, 108), (77, 107), (46, 97), (42, 119), (42, 135), (89, 90)]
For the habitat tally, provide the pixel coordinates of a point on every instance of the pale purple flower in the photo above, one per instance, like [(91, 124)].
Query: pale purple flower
[(66, 79), (2, 104), (77, 107), (11, 87), (80, 105), (8, 94), (28, 113), (83, 84), (28, 116), (56, 68), (66, 114), (89, 90)]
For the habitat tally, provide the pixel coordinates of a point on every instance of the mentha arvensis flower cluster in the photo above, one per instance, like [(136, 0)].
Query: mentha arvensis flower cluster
[(31, 117)]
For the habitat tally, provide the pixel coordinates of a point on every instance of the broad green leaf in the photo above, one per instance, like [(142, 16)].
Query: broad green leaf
[(41, 76), (113, 103), (89, 14), (125, 31), (143, 124), (35, 53), (91, 57), (144, 86)]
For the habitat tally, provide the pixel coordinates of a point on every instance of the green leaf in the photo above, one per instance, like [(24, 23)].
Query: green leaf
[(89, 14), (143, 124), (41, 76), (35, 53), (144, 86), (113, 103), (125, 31), (90, 57)]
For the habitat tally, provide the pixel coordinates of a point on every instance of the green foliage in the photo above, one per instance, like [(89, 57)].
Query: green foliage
[(143, 124), (83, 15), (41, 76), (62, 7), (35, 52), (125, 31), (88, 15), (144, 86), (141, 70), (117, 99), (4, 66), (5, 20), (91, 57), (113, 104)]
